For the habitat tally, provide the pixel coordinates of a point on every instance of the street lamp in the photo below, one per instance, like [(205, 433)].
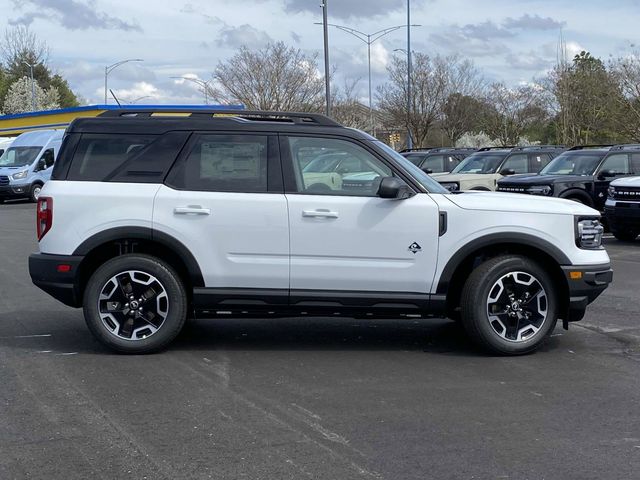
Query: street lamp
[(204, 84), (33, 86), (111, 68), (369, 38), (327, 80)]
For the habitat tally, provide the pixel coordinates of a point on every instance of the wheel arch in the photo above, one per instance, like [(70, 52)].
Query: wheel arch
[(577, 192), (462, 263), (118, 241)]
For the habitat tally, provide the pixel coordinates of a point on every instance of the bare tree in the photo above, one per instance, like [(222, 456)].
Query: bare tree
[(511, 111), (347, 109), (463, 105), (276, 77), (20, 45), (626, 71), (428, 92)]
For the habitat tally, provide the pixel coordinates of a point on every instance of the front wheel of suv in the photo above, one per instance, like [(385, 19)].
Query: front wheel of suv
[(509, 305), (135, 304)]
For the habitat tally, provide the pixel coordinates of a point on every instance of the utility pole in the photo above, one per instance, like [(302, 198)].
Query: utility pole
[(409, 139), (327, 80), (369, 39)]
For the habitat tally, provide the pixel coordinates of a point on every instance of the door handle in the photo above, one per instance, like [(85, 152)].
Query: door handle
[(192, 210), (320, 213)]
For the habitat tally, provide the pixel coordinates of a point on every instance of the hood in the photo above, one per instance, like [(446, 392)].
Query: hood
[(626, 182), (12, 170), (535, 179), (497, 201), (462, 177)]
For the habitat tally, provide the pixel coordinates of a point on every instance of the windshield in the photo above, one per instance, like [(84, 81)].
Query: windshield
[(19, 156), (573, 164), (422, 178), (414, 158), (481, 163)]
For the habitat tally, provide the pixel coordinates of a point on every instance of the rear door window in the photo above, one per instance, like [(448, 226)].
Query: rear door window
[(224, 163)]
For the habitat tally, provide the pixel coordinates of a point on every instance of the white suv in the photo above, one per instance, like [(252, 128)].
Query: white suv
[(150, 219)]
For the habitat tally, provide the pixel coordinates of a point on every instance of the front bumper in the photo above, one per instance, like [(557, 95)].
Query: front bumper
[(623, 216), (61, 285), (585, 283), (14, 191)]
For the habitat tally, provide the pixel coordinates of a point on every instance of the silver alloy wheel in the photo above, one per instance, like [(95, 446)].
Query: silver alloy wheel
[(517, 306), (36, 192), (133, 305)]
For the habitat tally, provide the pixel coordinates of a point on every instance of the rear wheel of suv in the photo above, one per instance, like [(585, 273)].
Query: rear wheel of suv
[(135, 304), (509, 305), (625, 235)]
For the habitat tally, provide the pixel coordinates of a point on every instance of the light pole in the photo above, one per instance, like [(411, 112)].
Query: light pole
[(409, 139), (327, 82), (33, 87), (204, 84), (111, 68), (368, 39)]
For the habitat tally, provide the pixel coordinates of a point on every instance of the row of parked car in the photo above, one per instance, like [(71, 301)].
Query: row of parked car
[(601, 177)]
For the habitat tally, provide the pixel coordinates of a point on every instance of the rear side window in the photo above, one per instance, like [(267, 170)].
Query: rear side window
[(224, 163), (99, 156)]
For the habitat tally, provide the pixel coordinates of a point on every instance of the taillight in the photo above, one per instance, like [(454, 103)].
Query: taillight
[(44, 216)]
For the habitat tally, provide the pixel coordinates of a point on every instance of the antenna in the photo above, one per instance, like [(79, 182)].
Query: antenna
[(114, 97)]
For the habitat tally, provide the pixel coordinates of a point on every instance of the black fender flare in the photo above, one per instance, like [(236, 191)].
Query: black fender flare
[(513, 238), (145, 233)]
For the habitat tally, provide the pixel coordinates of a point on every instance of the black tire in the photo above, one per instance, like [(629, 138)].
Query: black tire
[(625, 235), (481, 286), (168, 283), (34, 192)]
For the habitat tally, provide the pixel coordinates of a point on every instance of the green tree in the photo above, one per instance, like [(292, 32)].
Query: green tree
[(20, 48), (587, 97)]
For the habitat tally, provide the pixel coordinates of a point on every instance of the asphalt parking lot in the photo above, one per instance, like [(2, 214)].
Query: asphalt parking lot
[(320, 398)]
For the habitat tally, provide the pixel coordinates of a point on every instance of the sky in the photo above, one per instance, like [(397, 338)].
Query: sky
[(513, 41)]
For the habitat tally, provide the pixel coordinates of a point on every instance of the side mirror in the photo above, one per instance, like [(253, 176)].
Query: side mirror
[(428, 171), (507, 171), (606, 174), (393, 187), (41, 165)]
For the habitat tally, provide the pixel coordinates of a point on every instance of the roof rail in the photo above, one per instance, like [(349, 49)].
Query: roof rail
[(583, 147), (525, 148), (486, 149), (251, 115), (626, 146), (420, 149)]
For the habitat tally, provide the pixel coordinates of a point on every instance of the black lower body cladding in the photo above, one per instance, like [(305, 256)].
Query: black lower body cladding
[(586, 283)]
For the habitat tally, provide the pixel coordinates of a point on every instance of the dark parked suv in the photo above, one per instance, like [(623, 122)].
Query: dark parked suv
[(437, 160), (581, 174)]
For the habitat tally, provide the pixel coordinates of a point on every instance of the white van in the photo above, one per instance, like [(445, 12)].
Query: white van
[(26, 165)]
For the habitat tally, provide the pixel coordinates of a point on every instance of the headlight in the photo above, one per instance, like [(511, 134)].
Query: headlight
[(20, 175), (612, 192), (540, 190), (451, 186), (589, 233)]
